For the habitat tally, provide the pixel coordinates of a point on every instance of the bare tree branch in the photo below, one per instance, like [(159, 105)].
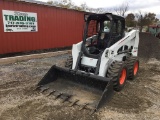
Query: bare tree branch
[(122, 9)]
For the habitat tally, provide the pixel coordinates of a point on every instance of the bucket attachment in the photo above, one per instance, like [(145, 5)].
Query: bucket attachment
[(77, 87)]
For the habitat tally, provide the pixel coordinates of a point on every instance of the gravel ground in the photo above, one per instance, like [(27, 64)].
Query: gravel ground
[(18, 101), (139, 100)]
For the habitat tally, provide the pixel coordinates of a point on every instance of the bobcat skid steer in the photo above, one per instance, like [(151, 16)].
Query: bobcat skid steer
[(99, 65)]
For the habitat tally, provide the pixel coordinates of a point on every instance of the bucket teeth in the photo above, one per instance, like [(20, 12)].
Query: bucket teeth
[(93, 111), (74, 103), (45, 89), (84, 106), (67, 98), (59, 95), (38, 87), (51, 93)]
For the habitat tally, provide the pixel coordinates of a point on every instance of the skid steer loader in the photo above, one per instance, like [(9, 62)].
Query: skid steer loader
[(99, 65)]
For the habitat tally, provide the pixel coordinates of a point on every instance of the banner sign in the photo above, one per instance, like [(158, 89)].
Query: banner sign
[(17, 21)]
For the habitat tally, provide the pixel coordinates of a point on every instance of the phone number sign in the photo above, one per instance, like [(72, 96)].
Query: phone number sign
[(17, 21)]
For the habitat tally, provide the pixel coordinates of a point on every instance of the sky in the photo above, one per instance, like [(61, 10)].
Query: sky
[(134, 5)]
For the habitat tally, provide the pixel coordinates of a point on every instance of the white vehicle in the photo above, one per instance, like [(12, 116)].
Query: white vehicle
[(99, 64)]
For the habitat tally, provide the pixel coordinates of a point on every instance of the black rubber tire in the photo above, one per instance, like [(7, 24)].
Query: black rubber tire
[(114, 73), (69, 61), (158, 35), (130, 62)]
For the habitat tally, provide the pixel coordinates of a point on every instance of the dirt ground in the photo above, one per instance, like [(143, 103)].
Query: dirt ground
[(139, 100)]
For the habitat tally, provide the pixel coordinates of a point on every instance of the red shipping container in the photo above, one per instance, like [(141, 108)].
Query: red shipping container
[(57, 27)]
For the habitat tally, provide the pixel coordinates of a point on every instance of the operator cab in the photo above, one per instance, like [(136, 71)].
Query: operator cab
[(101, 32)]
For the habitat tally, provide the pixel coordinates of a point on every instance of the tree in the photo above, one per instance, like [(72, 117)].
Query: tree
[(150, 18), (50, 2), (61, 3), (100, 10), (69, 4), (53, 2), (83, 6), (65, 4), (145, 19), (130, 20), (122, 9)]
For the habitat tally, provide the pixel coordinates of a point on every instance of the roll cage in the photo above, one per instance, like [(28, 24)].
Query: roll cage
[(101, 31)]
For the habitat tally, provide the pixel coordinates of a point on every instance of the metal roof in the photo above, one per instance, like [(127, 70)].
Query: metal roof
[(37, 2)]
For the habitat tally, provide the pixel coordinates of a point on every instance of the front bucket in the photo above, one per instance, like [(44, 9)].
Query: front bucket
[(79, 88)]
